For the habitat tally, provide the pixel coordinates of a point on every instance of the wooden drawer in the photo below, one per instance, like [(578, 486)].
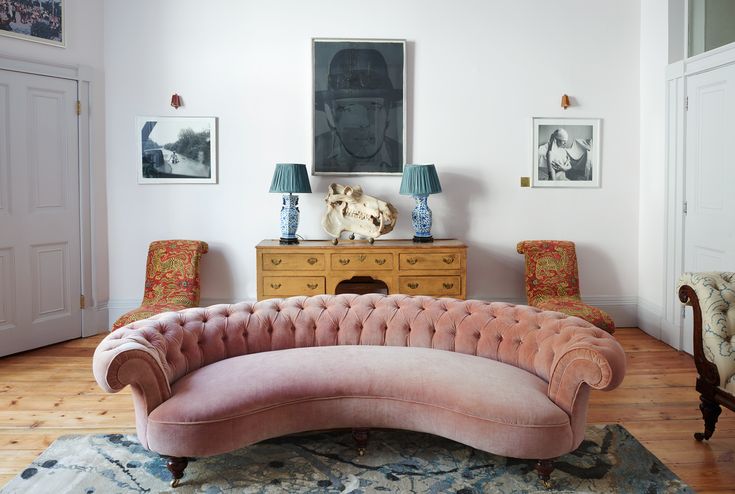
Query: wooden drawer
[(436, 286), (362, 262), (292, 262), (287, 286), (446, 260)]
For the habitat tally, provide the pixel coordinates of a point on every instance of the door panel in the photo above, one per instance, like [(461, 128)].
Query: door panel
[(40, 269), (709, 225)]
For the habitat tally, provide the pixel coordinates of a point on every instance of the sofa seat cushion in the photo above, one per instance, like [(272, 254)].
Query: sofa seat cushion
[(243, 400)]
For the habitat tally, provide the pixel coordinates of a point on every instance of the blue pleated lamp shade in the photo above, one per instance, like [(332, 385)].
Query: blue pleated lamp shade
[(420, 180), (290, 178)]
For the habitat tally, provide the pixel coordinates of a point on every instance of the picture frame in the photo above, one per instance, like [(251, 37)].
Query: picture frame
[(176, 150), (571, 146), (358, 106), (31, 20)]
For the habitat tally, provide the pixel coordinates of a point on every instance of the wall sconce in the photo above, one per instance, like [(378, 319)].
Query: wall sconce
[(565, 102), (176, 101)]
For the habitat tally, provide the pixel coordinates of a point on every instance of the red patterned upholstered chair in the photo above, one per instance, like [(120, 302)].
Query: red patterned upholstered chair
[(552, 281), (171, 279)]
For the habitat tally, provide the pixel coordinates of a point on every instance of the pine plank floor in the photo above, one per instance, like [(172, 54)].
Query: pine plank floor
[(50, 392)]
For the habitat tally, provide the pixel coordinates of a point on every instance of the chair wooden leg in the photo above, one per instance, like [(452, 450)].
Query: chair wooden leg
[(710, 412), (360, 436), (544, 469), (176, 466)]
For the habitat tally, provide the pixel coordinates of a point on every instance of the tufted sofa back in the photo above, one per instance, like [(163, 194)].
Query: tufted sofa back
[(716, 295), (518, 335)]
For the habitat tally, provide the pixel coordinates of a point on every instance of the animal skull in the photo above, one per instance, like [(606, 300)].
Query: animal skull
[(348, 209)]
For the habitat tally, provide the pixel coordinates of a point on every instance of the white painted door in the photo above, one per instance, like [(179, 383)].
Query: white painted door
[(40, 271), (709, 224)]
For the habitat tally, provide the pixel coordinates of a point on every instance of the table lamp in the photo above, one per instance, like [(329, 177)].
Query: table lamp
[(419, 181), (290, 178)]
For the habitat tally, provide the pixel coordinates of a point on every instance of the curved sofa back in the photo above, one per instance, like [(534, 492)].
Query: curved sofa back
[(522, 336)]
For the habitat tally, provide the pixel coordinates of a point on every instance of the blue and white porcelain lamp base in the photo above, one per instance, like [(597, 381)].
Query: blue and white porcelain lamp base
[(421, 220), (289, 219)]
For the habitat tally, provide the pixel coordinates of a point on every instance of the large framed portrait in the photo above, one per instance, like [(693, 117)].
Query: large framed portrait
[(176, 150), (566, 152), (33, 20), (359, 111)]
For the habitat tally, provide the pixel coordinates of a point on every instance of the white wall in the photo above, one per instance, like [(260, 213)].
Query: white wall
[(477, 71), (84, 27)]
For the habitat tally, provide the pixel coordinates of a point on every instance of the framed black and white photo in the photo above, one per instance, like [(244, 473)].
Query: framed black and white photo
[(359, 114), (33, 20), (177, 150), (566, 152)]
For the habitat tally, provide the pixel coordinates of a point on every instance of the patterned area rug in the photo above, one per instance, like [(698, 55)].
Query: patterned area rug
[(610, 460)]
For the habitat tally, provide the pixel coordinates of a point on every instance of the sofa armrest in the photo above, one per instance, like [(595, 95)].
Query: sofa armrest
[(132, 359), (595, 360)]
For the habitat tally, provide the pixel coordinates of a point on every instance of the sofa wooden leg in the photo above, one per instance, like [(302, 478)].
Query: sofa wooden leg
[(360, 435), (176, 466), (710, 412), (544, 469)]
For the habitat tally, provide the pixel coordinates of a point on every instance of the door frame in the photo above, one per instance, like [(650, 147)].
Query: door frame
[(94, 312), (676, 136)]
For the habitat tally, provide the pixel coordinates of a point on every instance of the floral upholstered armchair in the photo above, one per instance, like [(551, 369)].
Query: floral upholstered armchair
[(552, 281), (712, 297), (171, 279)]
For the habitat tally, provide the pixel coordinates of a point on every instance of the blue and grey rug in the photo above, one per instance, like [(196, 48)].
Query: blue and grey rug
[(610, 460)]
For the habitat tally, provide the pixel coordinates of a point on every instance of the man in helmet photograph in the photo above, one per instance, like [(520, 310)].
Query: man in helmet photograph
[(358, 119)]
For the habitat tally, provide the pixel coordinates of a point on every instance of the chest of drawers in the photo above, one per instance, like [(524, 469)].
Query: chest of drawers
[(315, 267)]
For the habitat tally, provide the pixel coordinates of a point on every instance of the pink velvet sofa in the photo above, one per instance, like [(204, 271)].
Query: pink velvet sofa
[(508, 379)]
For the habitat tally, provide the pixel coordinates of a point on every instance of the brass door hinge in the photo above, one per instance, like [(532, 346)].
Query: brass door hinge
[(79, 107), (82, 305)]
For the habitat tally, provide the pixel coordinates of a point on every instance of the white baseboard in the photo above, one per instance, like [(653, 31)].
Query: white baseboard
[(95, 320)]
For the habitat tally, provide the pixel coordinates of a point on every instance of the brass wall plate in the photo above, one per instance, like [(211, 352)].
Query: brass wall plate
[(525, 181)]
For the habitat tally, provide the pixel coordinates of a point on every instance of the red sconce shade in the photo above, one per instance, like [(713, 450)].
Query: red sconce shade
[(176, 101)]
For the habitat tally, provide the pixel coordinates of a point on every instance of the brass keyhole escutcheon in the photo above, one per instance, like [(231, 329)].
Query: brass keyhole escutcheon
[(312, 286), (275, 286), (413, 286), (379, 262), (312, 260), (412, 260), (276, 262), (448, 285), (344, 262), (448, 259)]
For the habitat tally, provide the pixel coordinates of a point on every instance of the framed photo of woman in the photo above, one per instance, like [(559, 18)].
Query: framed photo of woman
[(566, 152)]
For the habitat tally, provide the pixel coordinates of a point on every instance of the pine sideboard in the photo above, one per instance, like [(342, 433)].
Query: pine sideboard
[(315, 267)]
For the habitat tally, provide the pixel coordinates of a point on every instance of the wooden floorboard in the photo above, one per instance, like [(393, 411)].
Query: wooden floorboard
[(51, 392)]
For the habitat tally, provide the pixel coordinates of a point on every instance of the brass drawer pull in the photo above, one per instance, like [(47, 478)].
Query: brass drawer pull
[(412, 260), (312, 286), (361, 257), (276, 262), (379, 262), (344, 262), (448, 259), (448, 286), (413, 286), (312, 260), (275, 286)]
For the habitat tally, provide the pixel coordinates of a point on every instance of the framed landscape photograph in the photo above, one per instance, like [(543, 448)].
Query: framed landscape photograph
[(33, 20), (566, 152), (359, 114), (176, 150)]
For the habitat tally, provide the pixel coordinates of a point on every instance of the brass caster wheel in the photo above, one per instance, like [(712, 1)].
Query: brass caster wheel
[(175, 483), (360, 451)]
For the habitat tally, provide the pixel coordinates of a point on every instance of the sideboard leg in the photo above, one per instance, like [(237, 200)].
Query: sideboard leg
[(176, 466), (544, 469), (360, 435)]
